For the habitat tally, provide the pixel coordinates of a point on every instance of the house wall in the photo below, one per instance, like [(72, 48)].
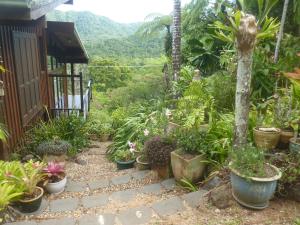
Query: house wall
[(10, 112)]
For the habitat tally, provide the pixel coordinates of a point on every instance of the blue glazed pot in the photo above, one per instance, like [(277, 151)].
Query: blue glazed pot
[(125, 165), (254, 192), (295, 145)]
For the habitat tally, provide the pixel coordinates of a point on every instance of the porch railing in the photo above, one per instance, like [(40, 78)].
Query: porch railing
[(71, 95)]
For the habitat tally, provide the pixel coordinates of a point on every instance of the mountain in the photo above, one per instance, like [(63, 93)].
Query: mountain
[(104, 37)]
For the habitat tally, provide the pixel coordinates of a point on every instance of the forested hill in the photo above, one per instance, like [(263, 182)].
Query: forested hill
[(104, 37)]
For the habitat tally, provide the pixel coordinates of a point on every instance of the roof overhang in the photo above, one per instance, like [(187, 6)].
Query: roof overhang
[(63, 43), (28, 9)]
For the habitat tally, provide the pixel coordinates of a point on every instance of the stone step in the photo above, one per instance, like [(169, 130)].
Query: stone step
[(131, 216)]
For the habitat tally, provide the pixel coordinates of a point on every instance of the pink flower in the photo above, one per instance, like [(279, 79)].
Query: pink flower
[(131, 145), (146, 132), (54, 169)]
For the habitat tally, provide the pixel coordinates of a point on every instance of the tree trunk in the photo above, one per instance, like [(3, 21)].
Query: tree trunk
[(176, 43), (245, 41), (280, 34)]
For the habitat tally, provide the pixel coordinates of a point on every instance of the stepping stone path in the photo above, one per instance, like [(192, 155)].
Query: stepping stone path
[(92, 198)]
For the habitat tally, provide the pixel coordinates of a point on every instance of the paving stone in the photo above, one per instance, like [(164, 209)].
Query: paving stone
[(64, 221), (73, 186), (193, 199), (23, 223), (155, 189), (140, 175), (140, 215), (168, 207), (93, 185), (95, 201), (124, 196), (169, 184), (121, 179), (104, 219), (67, 204)]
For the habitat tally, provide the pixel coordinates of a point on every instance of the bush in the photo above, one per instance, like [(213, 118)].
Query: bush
[(53, 147), (158, 150), (123, 156), (99, 123)]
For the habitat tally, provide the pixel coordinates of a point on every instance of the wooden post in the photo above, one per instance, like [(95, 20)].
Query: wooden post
[(81, 93)]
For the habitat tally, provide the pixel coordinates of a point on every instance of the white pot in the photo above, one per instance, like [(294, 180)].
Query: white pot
[(58, 187)]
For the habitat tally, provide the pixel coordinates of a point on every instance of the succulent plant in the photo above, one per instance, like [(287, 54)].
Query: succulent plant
[(158, 150), (54, 147)]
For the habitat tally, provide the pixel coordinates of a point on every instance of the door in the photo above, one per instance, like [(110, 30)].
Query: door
[(27, 74)]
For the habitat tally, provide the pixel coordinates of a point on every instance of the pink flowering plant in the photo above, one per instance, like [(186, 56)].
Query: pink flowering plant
[(55, 172)]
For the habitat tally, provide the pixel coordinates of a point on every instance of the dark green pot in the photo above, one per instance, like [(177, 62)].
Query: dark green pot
[(125, 165), (32, 205), (295, 146)]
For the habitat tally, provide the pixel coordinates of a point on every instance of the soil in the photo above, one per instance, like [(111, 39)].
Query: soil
[(35, 194), (185, 155)]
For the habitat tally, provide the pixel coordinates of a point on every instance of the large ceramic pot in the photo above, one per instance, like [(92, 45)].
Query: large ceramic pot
[(266, 139), (141, 163), (125, 165), (285, 137), (254, 192), (31, 205), (191, 167), (295, 145), (57, 187)]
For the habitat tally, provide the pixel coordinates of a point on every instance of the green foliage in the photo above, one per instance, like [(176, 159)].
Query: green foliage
[(99, 123), (72, 129), (53, 147), (3, 133), (8, 194), (188, 185), (108, 73), (123, 156), (297, 221), (249, 161), (158, 150), (118, 117), (191, 141)]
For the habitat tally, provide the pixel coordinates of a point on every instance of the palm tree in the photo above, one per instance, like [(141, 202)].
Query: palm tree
[(155, 24), (280, 34), (176, 43)]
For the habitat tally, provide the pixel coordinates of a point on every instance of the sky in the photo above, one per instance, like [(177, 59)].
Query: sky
[(123, 11)]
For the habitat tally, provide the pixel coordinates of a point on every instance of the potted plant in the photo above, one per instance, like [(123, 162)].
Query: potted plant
[(125, 159), (26, 178), (158, 150), (295, 141), (142, 162), (188, 161), (56, 178), (105, 130), (265, 136), (253, 180)]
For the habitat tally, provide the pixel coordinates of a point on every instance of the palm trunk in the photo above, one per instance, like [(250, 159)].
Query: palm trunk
[(176, 43), (246, 37), (280, 34)]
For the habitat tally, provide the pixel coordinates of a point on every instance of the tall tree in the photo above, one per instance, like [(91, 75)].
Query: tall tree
[(176, 43), (280, 34)]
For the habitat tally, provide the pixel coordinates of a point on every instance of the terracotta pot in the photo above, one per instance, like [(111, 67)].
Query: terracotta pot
[(266, 139), (191, 168), (163, 172), (31, 205), (285, 137)]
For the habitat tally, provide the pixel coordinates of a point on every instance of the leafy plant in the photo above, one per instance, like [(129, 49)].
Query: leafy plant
[(158, 150), (249, 161), (8, 194), (53, 147), (188, 185), (123, 156), (192, 141), (3, 133), (55, 172)]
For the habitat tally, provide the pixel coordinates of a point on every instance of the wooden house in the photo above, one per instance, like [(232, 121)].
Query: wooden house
[(28, 44)]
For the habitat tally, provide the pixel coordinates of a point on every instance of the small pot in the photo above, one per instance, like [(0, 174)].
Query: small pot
[(295, 145), (191, 169), (125, 165), (253, 192), (57, 187), (266, 139), (31, 205), (142, 164), (285, 137)]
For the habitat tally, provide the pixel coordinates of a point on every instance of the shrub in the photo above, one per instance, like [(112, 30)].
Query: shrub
[(53, 147), (158, 150), (191, 141), (99, 123)]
